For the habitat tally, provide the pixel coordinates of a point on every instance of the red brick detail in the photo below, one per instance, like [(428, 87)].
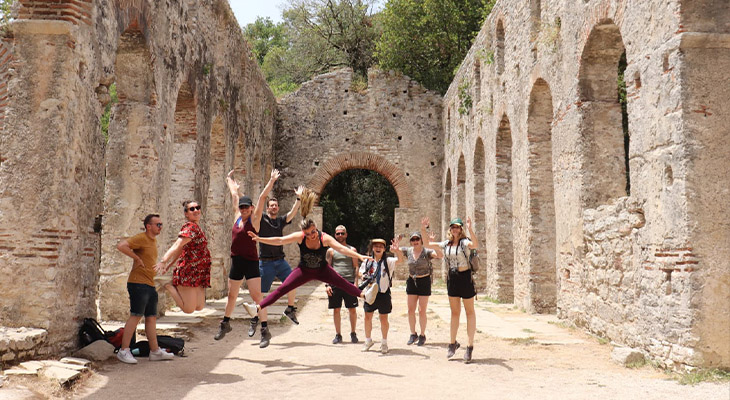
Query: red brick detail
[(74, 11), (672, 260), (372, 162)]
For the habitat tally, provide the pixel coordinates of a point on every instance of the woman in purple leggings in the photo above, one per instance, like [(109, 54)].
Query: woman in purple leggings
[(313, 245)]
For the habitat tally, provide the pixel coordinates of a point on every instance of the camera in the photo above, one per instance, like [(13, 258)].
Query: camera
[(365, 282)]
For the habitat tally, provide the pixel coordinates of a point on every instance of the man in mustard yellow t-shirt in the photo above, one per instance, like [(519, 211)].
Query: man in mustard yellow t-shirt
[(142, 248)]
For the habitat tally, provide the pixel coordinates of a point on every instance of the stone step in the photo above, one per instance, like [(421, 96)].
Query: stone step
[(60, 374), (74, 367), (76, 360)]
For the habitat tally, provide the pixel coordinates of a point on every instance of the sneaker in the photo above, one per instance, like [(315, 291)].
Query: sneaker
[(252, 326), (161, 281), (368, 344), (291, 313), (412, 339), (160, 355), (384, 348), (251, 309), (353, 337), (337, 339), (421, 340), (265, 337), (452, 349), (125, 356), (222, 330), (467, 355)]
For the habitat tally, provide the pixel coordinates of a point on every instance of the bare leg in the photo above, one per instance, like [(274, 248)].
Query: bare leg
[(200, 293), (412, 300), (336, 317), (471, 319), (150, 330), (187, 298), (422, 318), (254, 289), (291, 298), (233, 287), (129, 328), (384, 325), (368, 325), (353, 319), (455, 305)]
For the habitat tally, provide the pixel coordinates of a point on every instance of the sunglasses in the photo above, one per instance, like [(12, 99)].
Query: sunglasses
[(243, 207), (159, 225), (415, 239), (193, 208), (340, 233)]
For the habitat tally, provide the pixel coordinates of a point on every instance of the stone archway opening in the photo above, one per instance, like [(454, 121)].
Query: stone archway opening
[(218, 209), (480, 220), (461, 189), (503, 276)]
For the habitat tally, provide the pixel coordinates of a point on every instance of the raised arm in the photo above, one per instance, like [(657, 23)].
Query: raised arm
[(330, 254), (395, 248), (259, 210), (475, 240), (329, 241), (233, 189), (431, 244), (293, 212), (171, 255), (278, 240), (438, 253)]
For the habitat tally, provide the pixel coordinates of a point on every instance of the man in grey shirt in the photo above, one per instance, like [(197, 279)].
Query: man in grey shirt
[(347, 268)]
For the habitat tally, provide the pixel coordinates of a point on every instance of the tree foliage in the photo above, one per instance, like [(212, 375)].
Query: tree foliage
[(428, 39), (264, 35), (364, 202)]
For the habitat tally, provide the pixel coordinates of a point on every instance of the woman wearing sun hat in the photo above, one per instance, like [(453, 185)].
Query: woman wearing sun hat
[(380, 269), (418, 285), (459, 284)]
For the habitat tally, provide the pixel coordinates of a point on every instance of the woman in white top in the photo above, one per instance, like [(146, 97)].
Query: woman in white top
[(381, 270), (460, 285)]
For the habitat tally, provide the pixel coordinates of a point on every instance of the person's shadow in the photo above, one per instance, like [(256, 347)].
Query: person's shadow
[(292, 368)]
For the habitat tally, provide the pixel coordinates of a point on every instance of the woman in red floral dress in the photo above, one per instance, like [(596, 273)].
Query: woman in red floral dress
[(192, 274)]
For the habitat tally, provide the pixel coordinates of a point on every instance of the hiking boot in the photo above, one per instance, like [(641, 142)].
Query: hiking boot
[(222, 330), (337, 339), (125, 356), (384, 348), (160, 355), (291, 313), (412, 339), (421, 340), (467, 355), (252, 326), (265, 337), (368, 344), (353, 337), (452, 349), (251, 309)]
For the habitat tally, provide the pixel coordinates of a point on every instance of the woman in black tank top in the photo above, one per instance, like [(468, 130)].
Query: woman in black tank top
[(313, 245)]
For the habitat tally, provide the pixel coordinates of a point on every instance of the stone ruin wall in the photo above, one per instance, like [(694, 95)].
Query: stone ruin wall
[(189, 89), (392, 127), (646, 269)]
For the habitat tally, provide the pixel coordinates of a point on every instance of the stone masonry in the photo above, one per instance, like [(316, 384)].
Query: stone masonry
[(192, 105), (536, 154)]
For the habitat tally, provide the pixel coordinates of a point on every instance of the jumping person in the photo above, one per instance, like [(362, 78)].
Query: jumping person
[(244, 255), (313, 246), (272, 263), (418, 284), (346, 266), (142, 248), (381, 270), (192, 274), (459, 284)]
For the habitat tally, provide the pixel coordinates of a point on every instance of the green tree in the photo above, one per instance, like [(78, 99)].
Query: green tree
[(5, 10), (428, 39), (364, 202), (264, 35)]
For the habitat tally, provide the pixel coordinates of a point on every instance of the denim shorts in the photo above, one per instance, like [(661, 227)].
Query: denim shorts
[(273, 269), (142, 300)]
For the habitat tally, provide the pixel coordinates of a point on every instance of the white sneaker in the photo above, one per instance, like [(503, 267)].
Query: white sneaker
[(384, 348), (160, 355), (368, 344), (125, 356), (251, 309)]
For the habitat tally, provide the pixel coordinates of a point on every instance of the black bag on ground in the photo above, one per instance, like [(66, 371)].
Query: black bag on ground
[(91, 331), (140, 349), (171, 344)]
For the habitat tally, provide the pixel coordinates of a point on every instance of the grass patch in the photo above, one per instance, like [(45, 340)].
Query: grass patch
[(700, 375), (523, 341), (489, 299), (636, 365), (562, 324), (528, 330)]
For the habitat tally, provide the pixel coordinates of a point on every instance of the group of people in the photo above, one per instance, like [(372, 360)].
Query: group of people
[(322, 257)]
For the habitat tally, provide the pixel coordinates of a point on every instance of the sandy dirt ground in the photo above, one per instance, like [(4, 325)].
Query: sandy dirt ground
[(516, 356)]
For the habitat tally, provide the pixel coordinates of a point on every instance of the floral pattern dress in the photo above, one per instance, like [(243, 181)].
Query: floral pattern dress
[(193, 266)]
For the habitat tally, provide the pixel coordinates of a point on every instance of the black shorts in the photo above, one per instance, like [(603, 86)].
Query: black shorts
[(338, 296), (241, 267), (419, 286), (460, 284), (382, 304), (142, 300)]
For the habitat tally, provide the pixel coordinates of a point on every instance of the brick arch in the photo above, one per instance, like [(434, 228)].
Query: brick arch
[(369, 161)]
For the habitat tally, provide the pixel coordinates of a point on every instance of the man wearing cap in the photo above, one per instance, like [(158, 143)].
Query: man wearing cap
[(272, 263), (346, 266), (244, 256)]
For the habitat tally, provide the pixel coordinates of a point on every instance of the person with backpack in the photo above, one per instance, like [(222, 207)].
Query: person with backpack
[(379, 270), (418, 285), (460, 283), (142, 248)]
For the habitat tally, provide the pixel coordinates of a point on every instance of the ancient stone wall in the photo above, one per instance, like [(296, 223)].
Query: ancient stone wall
[(624, 236), (392, 127), (191, 98)]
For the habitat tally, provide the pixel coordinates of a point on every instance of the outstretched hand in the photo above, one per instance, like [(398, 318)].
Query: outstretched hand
[(395, 243), (468, 223), (425, 222), (254, 236), (160, 268), (431, 236), (298, 191), (275, 174), (232, 184)]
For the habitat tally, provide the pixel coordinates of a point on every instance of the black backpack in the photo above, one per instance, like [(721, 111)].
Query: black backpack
[(91, 331), (171, 344)]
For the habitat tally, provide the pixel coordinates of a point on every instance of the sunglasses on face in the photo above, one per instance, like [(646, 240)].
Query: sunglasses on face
[(244, 207), (415, 239), (159, 225), (340, 233), (193, 208)]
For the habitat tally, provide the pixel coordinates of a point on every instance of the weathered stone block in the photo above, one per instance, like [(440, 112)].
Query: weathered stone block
[(627, 356)]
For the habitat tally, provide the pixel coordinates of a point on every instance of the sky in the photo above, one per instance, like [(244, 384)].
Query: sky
[(247, 10)]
